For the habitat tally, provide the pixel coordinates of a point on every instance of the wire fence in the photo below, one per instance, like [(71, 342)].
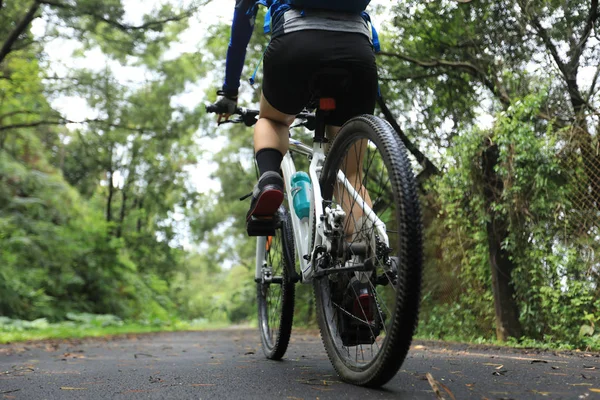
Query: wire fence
[(580, 156)]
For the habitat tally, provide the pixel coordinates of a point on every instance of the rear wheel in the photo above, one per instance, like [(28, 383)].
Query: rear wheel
[(367, 318), (275, 289)]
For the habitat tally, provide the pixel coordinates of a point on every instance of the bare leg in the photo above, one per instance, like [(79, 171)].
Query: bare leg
[(272, 130), (352, 168)]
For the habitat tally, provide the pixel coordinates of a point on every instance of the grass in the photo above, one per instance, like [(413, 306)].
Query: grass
[(88, 325), (91, 325), (585, 344)]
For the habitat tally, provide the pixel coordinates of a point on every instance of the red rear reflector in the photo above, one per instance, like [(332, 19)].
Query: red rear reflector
[(363, 307), (327, 104)]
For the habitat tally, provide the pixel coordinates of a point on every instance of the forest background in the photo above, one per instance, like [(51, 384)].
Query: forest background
[(119, 196)]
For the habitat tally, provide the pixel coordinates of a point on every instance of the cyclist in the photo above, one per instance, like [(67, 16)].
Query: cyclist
[(304, 41)]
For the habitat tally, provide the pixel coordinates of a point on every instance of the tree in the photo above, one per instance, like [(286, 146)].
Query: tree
[(112, 247), (459, 60)]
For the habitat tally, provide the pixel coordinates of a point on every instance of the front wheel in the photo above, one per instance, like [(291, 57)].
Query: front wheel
[(275, 289), (368, 316)]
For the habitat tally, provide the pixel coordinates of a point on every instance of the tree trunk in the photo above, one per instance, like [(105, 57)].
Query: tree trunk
[(128, 182), (309, 312), (111, 189), (139, 220), (505, 305), (123, 208)]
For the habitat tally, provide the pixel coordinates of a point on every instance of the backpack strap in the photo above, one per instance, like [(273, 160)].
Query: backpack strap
[(253, 10), (267, 22), (276, 8), (376, 43), (273, 8)]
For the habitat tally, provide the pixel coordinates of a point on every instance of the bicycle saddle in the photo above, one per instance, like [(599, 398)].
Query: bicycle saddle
[(330, 83)]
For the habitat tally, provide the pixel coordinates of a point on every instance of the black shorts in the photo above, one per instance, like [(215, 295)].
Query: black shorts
[(291, 61)]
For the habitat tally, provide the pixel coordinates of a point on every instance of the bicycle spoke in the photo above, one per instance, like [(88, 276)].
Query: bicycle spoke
[(358, 300), (370, 173)]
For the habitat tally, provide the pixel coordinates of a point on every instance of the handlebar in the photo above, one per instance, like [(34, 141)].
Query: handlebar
[(248, 117)]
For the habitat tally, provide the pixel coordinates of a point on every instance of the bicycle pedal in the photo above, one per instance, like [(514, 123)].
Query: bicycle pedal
[(263, 226)]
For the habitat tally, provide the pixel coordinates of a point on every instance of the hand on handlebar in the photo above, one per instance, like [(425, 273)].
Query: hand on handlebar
[(225, 107), (249, 117), (245, 116)]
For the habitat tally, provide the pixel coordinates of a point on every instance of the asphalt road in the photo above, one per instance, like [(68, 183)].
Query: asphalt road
[(229, 364)]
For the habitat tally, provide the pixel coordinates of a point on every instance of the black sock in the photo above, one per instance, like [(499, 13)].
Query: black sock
[(268, 160)]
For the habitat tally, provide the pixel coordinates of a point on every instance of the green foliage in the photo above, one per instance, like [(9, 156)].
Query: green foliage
[(90, 325), (58, 256), (99, 223), (554, 288), (86, 214), (457, 297)]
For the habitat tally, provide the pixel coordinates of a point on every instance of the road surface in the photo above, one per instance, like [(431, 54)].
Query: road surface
[(229, 364)]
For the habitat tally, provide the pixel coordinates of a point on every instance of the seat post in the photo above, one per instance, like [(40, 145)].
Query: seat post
[(320, 127), (326, 105)]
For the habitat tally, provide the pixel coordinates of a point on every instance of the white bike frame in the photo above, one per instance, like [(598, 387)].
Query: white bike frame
[(303, 228)]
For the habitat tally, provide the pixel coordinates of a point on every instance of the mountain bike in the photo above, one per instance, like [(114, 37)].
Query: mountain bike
[(360, 247)]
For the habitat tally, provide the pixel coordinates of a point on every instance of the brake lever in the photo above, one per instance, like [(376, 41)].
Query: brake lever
[(248, 119), (230, 121)]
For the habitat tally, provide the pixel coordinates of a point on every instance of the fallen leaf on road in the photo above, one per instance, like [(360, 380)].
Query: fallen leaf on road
[(140, 391), (500, 367), (51, 347), (447, 389), (136, 355), (316, 382), (581, 384), (71, 388), (16, 370), (594, 390), (493, 365), (434, 385), (540, 393), (589, 367)]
